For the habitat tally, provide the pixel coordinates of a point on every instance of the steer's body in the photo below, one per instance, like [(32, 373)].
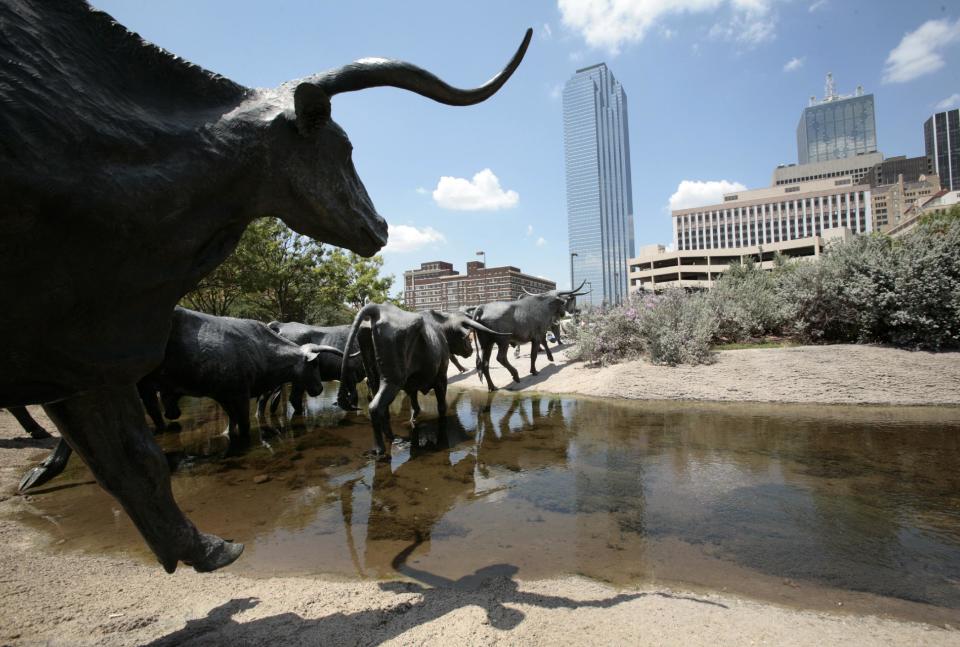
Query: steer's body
[(526, 319), (126, 175), (409, 352), (232, 360)]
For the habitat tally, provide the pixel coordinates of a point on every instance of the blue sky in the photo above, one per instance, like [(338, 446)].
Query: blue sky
[(712, 96)]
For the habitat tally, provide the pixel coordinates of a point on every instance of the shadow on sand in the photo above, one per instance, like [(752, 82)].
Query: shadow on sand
[(490, 588)]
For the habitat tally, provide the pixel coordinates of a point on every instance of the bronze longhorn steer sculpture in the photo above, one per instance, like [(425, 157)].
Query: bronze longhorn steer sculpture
[(126, 175), (526, 319), (409, 352)]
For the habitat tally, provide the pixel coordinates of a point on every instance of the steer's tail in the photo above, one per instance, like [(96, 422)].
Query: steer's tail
[(477, 313), (372, 312)]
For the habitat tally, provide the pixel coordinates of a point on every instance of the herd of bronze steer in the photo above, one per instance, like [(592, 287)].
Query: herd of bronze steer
[(127, 174), (233, 360)]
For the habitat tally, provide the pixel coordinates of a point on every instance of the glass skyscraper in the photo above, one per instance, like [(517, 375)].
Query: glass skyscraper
[(599, 190), (837, 127), (941, 134)]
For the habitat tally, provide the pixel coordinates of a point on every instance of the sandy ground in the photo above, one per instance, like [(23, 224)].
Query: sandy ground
[(838, 374), (51, 596)]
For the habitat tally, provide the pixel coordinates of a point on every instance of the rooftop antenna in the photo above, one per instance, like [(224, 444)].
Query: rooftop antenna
[(830, 89), (859, 90), (813, 100)]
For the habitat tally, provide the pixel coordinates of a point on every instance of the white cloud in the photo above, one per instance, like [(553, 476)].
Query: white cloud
[(950, 102), (422, 191), (546, 31), (575, 57), (751, 24), (541, 241), (667, 33), (696, 193), (406, 238), (529, 230), (482, 193), (556, 91), (920, 51), (819, 4), (794, 64), (612, 24)]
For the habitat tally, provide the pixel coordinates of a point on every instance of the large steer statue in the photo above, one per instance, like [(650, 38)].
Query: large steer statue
[(526, 319), (409, 352), (227, 359), (335, 336), (126, 175)]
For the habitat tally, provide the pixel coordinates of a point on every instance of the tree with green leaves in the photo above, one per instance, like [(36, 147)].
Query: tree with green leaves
[(275, 273)]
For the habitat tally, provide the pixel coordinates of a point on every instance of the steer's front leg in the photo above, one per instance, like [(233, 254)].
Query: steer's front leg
[(106, 428)]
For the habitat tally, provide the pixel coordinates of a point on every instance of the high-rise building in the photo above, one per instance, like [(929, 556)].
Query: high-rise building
[(836, 127), (599, 189), (941, 135)]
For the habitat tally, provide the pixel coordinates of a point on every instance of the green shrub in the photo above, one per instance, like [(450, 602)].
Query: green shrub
[(747, 303), (680, 328), (845, 296), (926, 286)]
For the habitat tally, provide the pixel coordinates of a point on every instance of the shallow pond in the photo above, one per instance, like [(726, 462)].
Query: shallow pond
[(808, 505)]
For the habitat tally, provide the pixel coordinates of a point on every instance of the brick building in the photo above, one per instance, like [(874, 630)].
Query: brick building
[(437, 285)]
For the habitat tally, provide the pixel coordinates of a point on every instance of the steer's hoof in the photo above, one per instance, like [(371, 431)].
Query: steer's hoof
[(516, 379), (35, 477), (533, 372), (215, 553)]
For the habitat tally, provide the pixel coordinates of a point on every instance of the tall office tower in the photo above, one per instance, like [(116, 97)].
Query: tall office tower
[(941, 134), (599, 191), (836, 127)]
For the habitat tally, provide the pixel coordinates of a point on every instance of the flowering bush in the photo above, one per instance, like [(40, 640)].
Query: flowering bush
[(679, 329), (672, 328)]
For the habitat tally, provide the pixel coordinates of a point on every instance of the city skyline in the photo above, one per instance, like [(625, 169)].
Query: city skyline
[(596, 136), (716, 90)]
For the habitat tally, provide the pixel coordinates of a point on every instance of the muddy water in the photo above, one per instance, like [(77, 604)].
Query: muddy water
[(814, 506)]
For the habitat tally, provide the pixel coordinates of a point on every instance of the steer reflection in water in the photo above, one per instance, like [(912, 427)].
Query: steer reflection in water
[(410, 502)]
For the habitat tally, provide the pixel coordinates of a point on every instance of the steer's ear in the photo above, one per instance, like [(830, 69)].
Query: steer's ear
[(312, 106)]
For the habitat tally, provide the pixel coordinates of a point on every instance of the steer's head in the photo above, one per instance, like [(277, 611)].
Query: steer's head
[(309, 372), (558, 301), (312, 183), (457, 328)]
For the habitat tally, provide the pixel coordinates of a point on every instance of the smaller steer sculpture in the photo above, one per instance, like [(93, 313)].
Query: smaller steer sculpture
[(406, 351), (523, 320), (335, 336), (227, 359)]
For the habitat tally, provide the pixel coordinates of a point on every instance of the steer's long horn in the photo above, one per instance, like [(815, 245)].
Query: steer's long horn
[(579, 294), (380, 72), (313, 350), (570, 292), (476, 325), (533, 294)]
